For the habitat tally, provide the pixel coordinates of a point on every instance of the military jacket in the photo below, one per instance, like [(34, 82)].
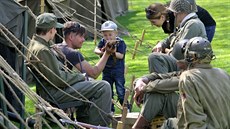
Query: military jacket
[(49, 65), (205, 98), (162, 83)]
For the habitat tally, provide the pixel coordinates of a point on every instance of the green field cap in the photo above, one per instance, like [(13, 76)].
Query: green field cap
[(47, 20)]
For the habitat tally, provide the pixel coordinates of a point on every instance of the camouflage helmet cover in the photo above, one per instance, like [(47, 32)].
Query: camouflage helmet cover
[(198, 48), (187, 6)]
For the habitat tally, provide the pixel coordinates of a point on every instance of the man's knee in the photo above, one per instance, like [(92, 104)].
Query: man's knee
[(106, 86), (153, 56), (152, 101), (153, 62)]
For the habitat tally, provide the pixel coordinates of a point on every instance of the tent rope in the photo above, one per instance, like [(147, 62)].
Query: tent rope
[(6, 118), (14, 78), (14, 111)]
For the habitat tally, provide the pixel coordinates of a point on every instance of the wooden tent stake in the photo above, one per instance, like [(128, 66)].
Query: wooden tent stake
[(42, 6), (131, 93), (135, 49), (142, 36), (139, 41)]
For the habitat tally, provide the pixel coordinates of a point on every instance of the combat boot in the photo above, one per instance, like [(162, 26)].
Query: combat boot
[(141, 123)]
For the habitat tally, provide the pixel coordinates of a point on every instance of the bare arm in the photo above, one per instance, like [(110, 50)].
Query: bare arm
[(95, 71)]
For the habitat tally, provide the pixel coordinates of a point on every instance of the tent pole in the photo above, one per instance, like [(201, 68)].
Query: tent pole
[(42, 6), (22, 97), (95, 22)]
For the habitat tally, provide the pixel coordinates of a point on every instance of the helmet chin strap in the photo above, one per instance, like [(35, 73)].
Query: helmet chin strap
[(191, 64), (175, 20)]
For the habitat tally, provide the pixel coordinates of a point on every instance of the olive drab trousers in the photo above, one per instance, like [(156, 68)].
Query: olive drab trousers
[(159, 104)]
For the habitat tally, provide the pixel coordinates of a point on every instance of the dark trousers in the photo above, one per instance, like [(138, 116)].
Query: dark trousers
[(9, 54), (115, 76), (162, 63), (210, 30)]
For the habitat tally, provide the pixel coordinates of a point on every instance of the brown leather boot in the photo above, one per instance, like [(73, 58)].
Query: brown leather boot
[(141, 123)]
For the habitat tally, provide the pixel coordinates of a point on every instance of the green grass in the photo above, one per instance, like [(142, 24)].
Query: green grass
[(134, 21), (30, 108)]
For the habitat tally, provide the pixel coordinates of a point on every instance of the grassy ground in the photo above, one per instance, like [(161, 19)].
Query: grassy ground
[(134, 21)]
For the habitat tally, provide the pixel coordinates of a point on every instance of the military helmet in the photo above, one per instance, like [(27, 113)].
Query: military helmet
[(179, 49), (187, 6), (198, 48)]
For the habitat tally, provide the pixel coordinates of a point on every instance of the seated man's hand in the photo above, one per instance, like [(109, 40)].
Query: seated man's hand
[(167, 50), (138, 96), (157, 48)]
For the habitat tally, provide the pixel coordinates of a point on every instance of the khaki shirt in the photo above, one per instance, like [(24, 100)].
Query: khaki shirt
[(40, 48), (205, 98)]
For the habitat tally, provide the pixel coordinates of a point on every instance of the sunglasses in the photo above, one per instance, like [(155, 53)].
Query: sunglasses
[(150, 12)]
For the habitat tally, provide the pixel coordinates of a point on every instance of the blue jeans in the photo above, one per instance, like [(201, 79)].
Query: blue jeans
[(115, 76), (210, 30)]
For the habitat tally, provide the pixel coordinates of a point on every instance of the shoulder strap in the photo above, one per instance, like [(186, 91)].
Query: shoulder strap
[(82, 70)]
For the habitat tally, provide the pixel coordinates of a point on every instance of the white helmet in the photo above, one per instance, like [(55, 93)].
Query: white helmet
[(108, 26), (187, 6)]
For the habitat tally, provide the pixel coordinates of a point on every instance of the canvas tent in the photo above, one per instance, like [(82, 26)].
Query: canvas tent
[(79, 10), (12, 17), (14, 21)]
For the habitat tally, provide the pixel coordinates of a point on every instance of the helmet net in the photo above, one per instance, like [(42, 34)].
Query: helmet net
[(187, 6)]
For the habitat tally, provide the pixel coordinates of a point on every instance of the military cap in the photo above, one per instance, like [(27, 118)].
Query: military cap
[(47, 20)]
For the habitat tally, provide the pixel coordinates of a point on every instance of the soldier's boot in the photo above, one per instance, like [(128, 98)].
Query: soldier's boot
[(141, 123)]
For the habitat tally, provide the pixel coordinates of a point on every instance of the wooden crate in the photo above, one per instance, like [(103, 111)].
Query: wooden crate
[(157, 122), (131, 119)]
